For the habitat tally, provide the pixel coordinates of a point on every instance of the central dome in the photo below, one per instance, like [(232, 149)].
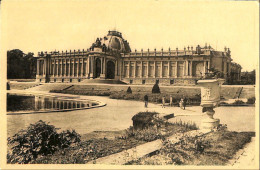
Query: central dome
[(115, 42)]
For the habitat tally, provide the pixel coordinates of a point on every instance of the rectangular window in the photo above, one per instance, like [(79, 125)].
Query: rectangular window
[(157, 81), (171, 81), (131, 81), (143, 81)]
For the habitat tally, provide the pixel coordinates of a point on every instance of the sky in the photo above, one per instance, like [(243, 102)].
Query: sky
[(35, 25)]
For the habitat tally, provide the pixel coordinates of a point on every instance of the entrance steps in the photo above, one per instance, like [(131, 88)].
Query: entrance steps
[(101, 81)]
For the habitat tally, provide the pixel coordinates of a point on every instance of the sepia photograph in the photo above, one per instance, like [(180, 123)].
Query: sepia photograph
[(120, 84)]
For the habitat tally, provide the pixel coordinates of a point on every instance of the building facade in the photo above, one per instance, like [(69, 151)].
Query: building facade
[(110, 57)]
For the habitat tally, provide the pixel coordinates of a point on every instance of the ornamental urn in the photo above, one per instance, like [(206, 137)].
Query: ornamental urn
[(210, 98)]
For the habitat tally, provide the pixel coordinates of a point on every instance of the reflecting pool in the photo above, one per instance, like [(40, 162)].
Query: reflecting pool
[(17, 103)]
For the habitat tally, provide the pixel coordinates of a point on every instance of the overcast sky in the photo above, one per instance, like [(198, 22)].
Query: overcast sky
[(33, 26)]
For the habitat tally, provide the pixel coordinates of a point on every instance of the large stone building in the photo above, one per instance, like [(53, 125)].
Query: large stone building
[(111, 58)]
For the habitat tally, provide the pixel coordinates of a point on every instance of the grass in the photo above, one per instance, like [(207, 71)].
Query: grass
[(215, 148), (99, 144)]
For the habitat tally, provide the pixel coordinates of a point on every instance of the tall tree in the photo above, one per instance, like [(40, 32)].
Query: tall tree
[(20, 65)]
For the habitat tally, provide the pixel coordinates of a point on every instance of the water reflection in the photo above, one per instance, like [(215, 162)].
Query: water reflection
[(40, 103)]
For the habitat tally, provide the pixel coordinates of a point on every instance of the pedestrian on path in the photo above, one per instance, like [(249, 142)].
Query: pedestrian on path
[(184, 103), (181, 103), (163, 102), (146, 101), (171, 100)]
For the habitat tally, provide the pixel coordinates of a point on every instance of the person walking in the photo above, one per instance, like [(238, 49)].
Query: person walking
[(163, 102), (181, 103), (184, 103), (146, 101), (171, 100)]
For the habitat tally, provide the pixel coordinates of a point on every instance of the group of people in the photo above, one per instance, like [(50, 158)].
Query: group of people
[(182, 102)]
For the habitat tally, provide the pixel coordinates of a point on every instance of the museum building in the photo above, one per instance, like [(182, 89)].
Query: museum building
[(110, 57)]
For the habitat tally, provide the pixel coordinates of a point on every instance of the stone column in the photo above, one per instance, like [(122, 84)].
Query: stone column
[(191, 68), (128, 69), (135, 69), (161, 73), (205, 68), (169, 72), (154, 69), (141, 69), (78, 67), (86, 71), (69, 68), (88, 65), (73, 68), (187, 68), (176, 69), (57, 67), (147, 69), (61, 70), (105, 66), (116, 69), (65, 69), (92, 65), (53, 68), (184, 68), (38, 65), (123, 71), (102, 61), (43, 67), (82, 63)]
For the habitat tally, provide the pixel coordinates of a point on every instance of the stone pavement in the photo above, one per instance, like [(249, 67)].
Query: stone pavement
[(246, 157)]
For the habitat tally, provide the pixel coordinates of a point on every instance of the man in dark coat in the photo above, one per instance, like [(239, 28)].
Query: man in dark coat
[(184, 103), (146, 101)]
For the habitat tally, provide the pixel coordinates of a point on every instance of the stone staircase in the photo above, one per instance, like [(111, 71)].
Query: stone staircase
[(50, 87), (247, 92), (101, 81)]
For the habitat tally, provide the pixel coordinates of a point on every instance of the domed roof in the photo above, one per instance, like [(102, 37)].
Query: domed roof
[(114, 41)]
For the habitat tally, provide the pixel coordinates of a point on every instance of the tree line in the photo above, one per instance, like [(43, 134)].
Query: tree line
[(20, 65)]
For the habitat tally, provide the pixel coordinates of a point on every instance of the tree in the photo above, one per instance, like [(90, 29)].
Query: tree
[(156, 88), (129, 90), (20, 65)]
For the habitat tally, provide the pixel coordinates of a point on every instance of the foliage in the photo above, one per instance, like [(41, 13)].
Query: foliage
[(20, 65), (251, 100), (129, 90), (39, 139), (213, 74), (147, 134), (248, 77), (143, 120), (215, 148), (156, 88)]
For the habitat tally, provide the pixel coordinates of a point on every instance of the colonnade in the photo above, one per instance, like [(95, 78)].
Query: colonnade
[(162, 69)]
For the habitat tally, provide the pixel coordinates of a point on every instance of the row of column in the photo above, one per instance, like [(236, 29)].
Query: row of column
[(64, 67), (76, 67), (184, 67)]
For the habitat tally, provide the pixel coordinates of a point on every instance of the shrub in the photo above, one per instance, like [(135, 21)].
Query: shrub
[(146, 135), (238, 102), (251, 100), (129, 90), (39, 139), (143, 120), (156, 88)]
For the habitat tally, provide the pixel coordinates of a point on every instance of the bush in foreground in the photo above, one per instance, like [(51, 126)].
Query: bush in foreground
[(39, 139)]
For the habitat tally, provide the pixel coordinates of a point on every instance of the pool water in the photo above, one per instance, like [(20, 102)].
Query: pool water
[(19, 102)]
